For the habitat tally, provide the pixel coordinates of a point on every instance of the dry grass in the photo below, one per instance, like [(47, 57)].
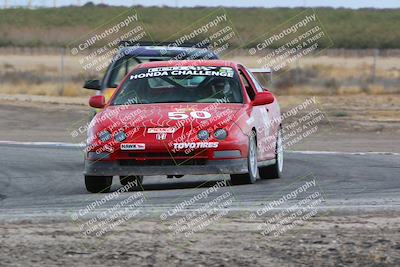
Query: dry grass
[(349, 90), (319, 75), (340, 63), (46, 89), (48, 64), (323, 75), (357, 107)]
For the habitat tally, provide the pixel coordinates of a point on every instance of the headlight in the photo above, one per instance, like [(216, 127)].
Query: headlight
[(104, 135), (120, 136), (203, 135), (220, 134)]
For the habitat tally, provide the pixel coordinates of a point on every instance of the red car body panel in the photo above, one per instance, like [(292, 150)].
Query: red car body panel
[(238, 119)]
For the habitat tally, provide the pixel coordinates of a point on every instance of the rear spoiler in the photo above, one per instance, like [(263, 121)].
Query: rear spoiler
[(262, 71), (169, 44)]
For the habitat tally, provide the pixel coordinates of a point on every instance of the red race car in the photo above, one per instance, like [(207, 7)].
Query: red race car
[(184, 117)]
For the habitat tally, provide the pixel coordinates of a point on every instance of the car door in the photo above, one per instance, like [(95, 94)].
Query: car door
[(272, 109), (262, 116)]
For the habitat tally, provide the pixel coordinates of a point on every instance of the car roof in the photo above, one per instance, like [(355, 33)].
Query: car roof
[(168, 51), (170, 63)]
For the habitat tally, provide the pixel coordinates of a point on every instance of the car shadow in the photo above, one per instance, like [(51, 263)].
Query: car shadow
[(179, 185)]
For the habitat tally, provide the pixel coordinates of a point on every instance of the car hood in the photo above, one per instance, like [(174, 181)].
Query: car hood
[(168, 115)]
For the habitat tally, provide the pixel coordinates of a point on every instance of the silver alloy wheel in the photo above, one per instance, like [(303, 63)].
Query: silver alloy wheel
[(279, 152), (253, 157)]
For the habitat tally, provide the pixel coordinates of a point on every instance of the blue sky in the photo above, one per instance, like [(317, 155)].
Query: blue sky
[(236, 3)]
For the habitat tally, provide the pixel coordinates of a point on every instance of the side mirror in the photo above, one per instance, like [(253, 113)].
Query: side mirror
[(263, 98), (265, 89), (97, 101), (92, 84)]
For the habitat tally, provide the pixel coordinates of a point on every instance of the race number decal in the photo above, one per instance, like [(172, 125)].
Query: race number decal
[(181, 115)]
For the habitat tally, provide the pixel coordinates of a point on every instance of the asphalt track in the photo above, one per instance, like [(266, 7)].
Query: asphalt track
[(44, 180)]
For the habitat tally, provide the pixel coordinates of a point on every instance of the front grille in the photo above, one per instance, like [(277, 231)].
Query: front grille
[(162, 162)]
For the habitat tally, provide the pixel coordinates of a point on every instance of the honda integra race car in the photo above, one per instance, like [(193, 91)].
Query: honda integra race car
[(184, 117)]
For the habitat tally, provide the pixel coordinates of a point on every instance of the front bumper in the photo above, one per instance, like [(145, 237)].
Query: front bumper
[(111, 168)]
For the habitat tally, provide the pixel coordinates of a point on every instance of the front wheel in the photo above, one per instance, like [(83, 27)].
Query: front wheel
[(98, 184), (251, 176)]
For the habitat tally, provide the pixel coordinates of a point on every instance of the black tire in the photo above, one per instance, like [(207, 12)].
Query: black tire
[(98, 184), (251, 176), (274, 171), (124, 180)]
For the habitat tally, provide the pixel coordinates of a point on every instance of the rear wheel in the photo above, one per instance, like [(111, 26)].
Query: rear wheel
[(251, 176), (98, 184), (274, 171), (135, 180)]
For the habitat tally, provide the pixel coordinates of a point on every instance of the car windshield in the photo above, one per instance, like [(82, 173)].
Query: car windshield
[(177, 84), (121, 68)]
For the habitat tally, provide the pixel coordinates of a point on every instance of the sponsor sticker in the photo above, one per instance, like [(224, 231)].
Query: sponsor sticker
[(178, 146), (185, 71), (135, 146), (161, 130)]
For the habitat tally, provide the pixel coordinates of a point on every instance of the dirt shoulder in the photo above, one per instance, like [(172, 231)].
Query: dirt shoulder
[(367, 240), (351, 123), (36, 118)]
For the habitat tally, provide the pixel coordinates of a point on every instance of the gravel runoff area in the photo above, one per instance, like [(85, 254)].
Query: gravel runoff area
[(371, 239)]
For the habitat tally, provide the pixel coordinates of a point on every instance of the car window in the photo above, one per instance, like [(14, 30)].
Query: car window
[(249, 89), (180, 84), (121, 69)]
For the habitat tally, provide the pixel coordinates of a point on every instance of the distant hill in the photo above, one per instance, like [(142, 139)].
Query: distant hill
[(363, 28)]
